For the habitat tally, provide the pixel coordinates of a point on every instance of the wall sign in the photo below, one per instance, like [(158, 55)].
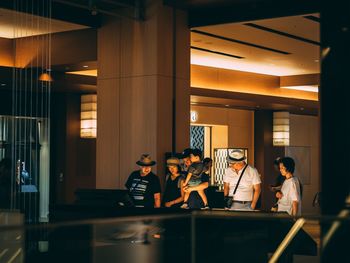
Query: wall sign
[(194, 116)]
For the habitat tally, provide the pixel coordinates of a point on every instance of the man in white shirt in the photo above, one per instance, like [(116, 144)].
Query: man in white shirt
[(242, 183)]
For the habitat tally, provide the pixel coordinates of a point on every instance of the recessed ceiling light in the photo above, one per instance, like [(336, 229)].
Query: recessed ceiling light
[(85, 66), (303, 88), (316, 60), (227, 105), (85, 72), (3, 84)]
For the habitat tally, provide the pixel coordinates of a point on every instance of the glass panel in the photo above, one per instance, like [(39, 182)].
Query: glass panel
[(214, 236), (24, 158)]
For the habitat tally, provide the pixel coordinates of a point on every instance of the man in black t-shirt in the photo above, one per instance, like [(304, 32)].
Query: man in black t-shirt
[(144, 186)]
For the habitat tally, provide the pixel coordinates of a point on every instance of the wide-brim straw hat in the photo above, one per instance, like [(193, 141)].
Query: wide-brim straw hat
[(236, 156), (145, 160), (173, 161)]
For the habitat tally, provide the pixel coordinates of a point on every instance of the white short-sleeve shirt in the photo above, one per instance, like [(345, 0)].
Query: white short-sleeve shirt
[(291, 192), (245, 188)]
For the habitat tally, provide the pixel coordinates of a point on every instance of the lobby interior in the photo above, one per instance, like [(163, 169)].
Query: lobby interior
[(152, 64)]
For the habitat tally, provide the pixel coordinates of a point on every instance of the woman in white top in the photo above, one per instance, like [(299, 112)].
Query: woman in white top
[(290, 195)]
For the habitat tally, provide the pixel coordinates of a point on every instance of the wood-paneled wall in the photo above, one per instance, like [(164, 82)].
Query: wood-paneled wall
[(304, 131), (6, 52), (67, 48), (73, 159), (240, 125), (139, 64)]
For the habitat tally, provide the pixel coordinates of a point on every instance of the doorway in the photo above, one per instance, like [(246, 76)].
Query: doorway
[(208, 138)]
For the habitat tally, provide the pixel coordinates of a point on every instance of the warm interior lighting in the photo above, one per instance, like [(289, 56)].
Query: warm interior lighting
[(45, 77), (281, 129), (213, 60), (92, 72), (88, 116), (29, 24), (312, 88)]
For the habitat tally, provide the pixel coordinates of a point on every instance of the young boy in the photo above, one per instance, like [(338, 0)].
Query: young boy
[(194, 179)]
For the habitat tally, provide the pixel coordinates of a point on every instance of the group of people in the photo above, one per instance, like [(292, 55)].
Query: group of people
[(186, 183)]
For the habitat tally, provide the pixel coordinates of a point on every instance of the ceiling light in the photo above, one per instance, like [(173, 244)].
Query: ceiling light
[(3, 84), (212, 60), (11, 29), (85, 66), (89, 72), (311, 88)]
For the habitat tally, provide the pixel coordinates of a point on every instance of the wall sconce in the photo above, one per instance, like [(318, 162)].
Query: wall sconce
[(280, 129), (88, 116)]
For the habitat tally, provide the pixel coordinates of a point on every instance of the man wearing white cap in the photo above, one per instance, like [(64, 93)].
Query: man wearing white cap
[(242, 183)]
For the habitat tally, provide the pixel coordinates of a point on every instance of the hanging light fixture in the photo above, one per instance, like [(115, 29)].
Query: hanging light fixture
[(281, 129), (45, 77), (88, 116)]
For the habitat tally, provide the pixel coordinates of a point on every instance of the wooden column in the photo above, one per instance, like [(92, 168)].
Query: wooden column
[(139, 65), (265, 154)]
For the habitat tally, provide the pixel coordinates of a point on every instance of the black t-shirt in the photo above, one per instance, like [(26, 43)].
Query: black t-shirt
[(172, 189), (195, 201), (143, 188), (196, 169)]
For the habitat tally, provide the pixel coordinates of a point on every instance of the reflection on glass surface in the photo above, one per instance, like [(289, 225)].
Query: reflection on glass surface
[(198, 236)]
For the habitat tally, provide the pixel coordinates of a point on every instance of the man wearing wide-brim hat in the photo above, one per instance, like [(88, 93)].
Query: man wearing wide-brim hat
[(242, 183), (144, 186)]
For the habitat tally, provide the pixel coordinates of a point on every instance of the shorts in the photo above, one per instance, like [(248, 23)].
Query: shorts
[(194, 182)]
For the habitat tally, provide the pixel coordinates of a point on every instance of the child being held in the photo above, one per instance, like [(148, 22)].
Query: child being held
[(194, 179)]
